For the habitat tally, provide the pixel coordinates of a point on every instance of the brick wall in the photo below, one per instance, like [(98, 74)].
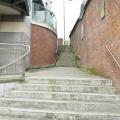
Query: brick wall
[(98, 33), (43, 46), (60, 42)]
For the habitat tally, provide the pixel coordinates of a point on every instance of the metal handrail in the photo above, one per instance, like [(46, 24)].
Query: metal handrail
[(118, 64), (13, 62), (11, 44)]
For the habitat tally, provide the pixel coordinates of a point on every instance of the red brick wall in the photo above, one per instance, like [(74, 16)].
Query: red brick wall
[(43, 46), (60, 42), (97, 34)]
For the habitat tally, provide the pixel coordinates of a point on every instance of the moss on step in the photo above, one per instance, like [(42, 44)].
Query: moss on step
[(93, 71), (10, 80), (36, 69)]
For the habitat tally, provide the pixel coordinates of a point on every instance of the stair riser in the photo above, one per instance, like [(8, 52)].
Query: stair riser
[(65, 61), (66, 58), (15, 118), (80, 89), (62, 65), (65, 64), (71, 82), (78, 107), (63, 96), (67, 55), (53, 116)]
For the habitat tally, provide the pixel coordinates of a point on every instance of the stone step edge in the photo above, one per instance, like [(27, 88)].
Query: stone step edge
[(18, 110), (15, 118), (58, 101), (67, 93), (69, 84), (38, 78), (56, 85), (108, 97)]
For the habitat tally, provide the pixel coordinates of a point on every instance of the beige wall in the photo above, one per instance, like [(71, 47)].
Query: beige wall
[(12, 26)]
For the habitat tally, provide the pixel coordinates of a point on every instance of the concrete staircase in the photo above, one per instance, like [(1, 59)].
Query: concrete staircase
[(66, 59), (61, 99)]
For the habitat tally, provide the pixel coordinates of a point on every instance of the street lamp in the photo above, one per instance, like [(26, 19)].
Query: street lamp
[(64, 18)]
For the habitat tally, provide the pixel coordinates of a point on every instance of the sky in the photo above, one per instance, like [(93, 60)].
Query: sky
[(72, 12)]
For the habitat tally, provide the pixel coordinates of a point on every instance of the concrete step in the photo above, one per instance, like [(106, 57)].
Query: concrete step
[(65, 61), (67, 57), (63, 96), (65, 65), (66, 88), (71, 81), (67, 54), (57, 115), (62, 58), (17, 118), (76, 106)]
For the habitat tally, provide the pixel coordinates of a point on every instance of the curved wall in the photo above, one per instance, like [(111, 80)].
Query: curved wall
[(43, 46)]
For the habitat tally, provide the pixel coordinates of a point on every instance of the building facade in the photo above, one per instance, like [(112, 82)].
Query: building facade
[(28, 36), (96, 37), (14, 35), (43, 36)]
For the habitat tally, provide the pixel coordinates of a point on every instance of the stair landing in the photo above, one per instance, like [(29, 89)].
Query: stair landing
[(61, 93)]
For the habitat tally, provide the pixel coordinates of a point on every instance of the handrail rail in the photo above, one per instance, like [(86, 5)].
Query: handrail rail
[(15, 61), (113, 56), (11, 44)]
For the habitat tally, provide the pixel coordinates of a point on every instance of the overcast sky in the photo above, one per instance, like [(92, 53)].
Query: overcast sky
[(72, 9)]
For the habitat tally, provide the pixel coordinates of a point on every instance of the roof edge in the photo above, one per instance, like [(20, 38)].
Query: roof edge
[(82, 12)]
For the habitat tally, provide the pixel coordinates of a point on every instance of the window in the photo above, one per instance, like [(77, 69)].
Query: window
[(82, 31), (102, 9)]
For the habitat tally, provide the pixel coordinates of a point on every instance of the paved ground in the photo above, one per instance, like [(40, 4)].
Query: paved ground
[(7, 79), (60, 72), (6, 86)]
